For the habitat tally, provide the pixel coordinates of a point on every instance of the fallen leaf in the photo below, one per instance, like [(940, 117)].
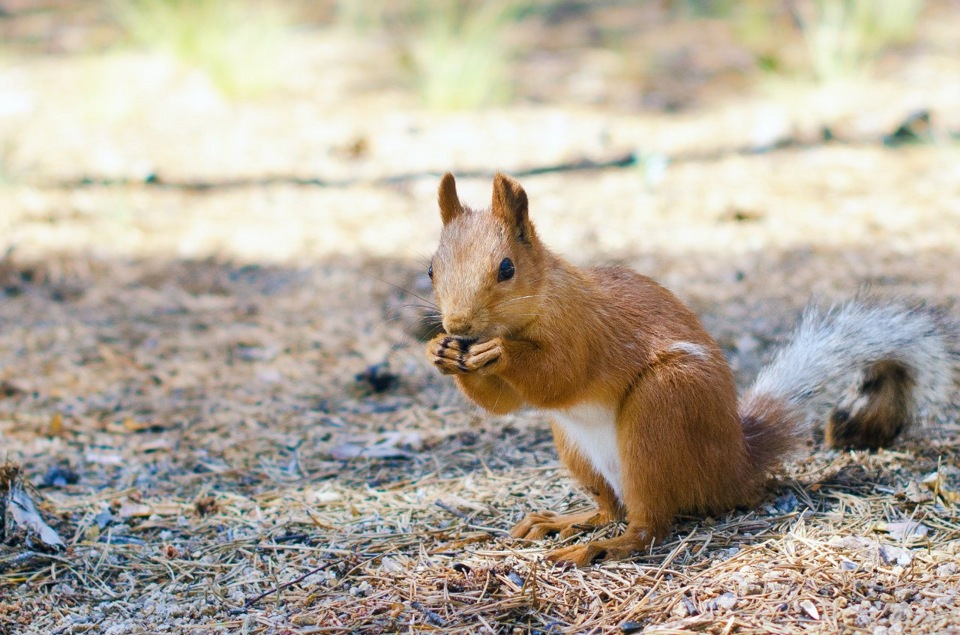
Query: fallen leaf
[(905, 530), (917, 493), (382, 446), (24, 514), (935, 483)]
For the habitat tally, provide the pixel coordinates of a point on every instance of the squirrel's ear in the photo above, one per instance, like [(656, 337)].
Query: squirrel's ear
[(450, 206), (510, 204)]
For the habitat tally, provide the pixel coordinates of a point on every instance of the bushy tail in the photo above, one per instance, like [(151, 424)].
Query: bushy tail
[(866, 369)]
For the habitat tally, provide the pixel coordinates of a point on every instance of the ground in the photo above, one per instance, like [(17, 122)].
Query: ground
[(210, 380)]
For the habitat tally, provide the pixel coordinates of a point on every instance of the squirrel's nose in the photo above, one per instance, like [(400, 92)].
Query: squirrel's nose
[(457, 324)]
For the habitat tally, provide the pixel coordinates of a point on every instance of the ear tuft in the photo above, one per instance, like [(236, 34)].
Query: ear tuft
[(450, 206), (510, 204)]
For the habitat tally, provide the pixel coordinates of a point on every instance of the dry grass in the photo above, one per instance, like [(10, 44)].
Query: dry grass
[(843, 36), (458, 54), (238, 472), (239, 44)]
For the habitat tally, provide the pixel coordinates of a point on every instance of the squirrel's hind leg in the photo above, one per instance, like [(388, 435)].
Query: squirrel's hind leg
[(681, 448), (538, 525)]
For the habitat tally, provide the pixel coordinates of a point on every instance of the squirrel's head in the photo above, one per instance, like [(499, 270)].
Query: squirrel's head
[(488, 268)]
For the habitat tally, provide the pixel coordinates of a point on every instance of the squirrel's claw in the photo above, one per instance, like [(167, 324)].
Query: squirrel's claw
[(483, 354), (446, 353), (538, 525), (618, 548), (455, 355), (580, 555)]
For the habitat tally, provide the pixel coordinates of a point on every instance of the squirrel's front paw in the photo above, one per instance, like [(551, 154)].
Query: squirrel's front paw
[(446, 352), (483, 355), (453, 355)]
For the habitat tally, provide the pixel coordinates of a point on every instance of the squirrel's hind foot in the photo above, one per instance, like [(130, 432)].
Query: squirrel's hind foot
[(539, 525), (621, 547)]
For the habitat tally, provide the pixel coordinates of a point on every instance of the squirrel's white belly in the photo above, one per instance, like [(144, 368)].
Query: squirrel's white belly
[(592, 428)]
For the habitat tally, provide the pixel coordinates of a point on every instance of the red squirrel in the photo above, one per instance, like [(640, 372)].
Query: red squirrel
[(643, 402)]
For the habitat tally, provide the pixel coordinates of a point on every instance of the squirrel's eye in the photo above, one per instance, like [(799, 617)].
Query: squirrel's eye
[(506, 270), (430, 271)]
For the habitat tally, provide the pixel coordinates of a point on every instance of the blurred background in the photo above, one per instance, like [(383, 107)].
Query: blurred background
[(286, 130)]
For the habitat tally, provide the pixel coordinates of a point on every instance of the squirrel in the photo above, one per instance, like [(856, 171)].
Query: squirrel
[(644, 407)]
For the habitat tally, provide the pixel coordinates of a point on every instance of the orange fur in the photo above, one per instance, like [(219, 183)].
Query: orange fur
[(612, 341)]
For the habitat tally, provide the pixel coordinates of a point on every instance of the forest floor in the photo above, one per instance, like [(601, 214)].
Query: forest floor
[(210, 384)]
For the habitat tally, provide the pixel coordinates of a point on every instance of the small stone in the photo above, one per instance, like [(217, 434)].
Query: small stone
[(631, 627), (684, 608), (895, 555), (60, 476), (378, 378), (787, 503), (947, 569), (810, 609), (727, 601)]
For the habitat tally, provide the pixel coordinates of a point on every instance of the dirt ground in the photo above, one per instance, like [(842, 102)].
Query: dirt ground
[(209, 379)]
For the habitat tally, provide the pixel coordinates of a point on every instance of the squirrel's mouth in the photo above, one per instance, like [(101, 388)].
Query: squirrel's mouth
[(465, 341)]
